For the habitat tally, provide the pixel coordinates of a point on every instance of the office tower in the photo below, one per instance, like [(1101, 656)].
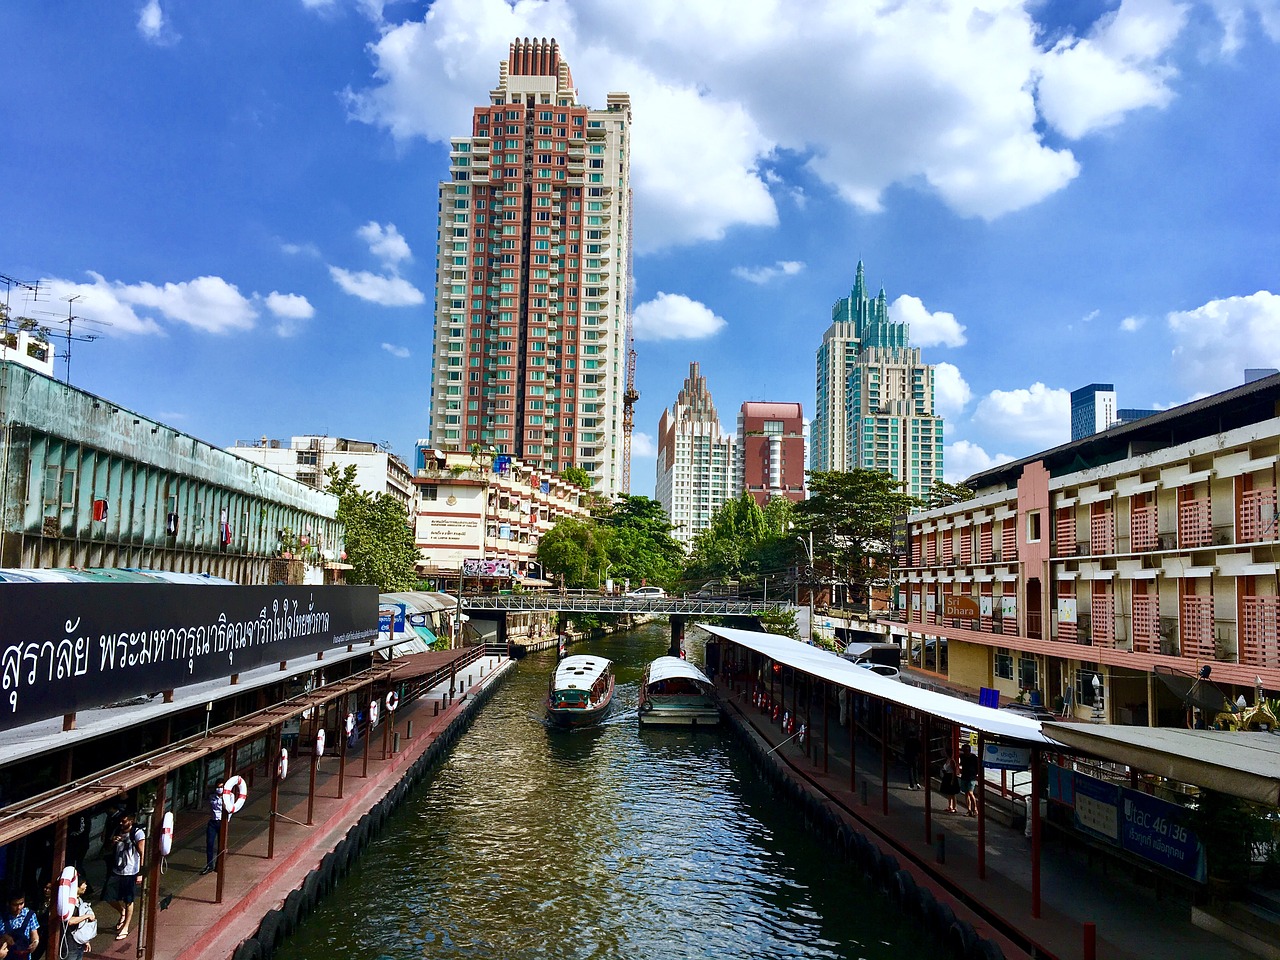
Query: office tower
[(770, 451), (1093, 409), (874, 396), (695, 459), (533, 265)]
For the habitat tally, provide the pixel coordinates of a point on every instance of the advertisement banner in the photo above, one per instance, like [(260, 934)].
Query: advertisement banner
[(385, 615), (1066, 609), (984, 605), (487, 568), (997, 756), (1097, 807), (1156, 830), (1061, 784), (67, 647), (959, 607), (1009, 607)]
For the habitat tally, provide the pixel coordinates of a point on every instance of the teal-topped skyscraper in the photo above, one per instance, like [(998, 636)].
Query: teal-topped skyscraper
[(874, 404)]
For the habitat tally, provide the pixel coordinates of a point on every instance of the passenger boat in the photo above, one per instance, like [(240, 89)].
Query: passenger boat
[(676, 693), (581, 691)]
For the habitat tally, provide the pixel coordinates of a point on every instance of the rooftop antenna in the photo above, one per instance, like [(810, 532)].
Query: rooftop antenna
[(11, 282), (71, 335)]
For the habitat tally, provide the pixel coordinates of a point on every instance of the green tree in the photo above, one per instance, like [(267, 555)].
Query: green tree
[(577, 476), (744, 541), (379, 541), (640, 544), (944, 494), (576, 549)]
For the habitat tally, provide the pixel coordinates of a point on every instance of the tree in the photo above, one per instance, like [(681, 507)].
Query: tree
[(640, 544), (379, 541), (577, 476), (851, 516), (744, 541), (944, 494), (575, 549)]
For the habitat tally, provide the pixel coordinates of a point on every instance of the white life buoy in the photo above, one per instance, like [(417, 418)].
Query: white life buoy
[(234, 793), (351, 723), (373, 713), (166, 833), (68, 893), (393, 701), (282, 767), (320, 742)]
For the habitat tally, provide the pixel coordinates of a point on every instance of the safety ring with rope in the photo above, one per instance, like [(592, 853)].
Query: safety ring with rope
[(234, 793), (282, 765), (393, 700)]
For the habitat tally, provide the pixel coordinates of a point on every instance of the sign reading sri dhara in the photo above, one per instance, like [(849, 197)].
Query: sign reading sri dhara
[(959, 608)]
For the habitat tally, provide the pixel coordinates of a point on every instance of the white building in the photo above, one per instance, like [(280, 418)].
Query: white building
[(696, 459), (307, 458)]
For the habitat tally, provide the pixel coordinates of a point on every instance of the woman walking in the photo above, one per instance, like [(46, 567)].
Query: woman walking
[(950, 785)]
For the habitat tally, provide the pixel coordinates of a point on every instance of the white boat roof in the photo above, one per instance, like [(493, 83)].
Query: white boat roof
[(665, 668), (828, 666), (580, 672)]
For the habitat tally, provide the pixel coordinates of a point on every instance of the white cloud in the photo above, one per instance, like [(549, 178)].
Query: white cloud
[(927, 329), (387, 291), (385, 243), (1218, 341), (1235, 16), (673, 316), (300, 250), (292, 309), (1132, 324), (642, 445), (963, 459), (1039, 414), (762, 275), (210, 304), (950, 96), (396, 351), (154, 27), (951, 394)]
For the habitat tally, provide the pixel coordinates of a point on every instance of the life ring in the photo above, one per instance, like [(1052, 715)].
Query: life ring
[(646, 706), (351, 723), (234, 793), (68, 893), (166, 833), (801, 735), (393, 701), (373, 713), (282, 766), (320, 742)]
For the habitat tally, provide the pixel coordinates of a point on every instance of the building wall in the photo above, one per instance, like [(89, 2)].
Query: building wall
[(167, 495), (696, 459), (529, 353), (770, 451), (308, 458)]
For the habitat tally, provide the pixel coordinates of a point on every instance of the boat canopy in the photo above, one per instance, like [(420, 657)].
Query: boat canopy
[(667, 668), (834, 669), (579, 672)]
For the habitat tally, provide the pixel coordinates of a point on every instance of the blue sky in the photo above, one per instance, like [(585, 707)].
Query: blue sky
[(1052, 193)]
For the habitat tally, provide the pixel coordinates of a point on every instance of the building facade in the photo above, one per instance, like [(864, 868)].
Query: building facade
[(1093, 409), (696, 459), (874, 396), (87, 483), (486, 511), (770, 451), (307, 459), (1145, 556), (533, 268)]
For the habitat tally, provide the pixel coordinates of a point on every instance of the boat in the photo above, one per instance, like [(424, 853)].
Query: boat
[(674, 692), (581, 691)]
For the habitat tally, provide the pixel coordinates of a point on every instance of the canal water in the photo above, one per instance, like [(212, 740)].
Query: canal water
[(604, 842)]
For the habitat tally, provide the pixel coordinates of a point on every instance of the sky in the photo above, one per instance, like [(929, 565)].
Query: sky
[(242, 198)]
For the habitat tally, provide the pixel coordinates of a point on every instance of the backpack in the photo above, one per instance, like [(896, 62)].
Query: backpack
[(86, 931)]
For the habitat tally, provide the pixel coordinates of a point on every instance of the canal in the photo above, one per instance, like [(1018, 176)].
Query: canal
[(605, 842)]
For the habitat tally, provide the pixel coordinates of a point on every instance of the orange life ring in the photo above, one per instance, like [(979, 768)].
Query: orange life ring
[(234, 793)]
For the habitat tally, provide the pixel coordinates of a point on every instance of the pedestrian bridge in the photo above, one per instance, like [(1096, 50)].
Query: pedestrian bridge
[(532, 602)]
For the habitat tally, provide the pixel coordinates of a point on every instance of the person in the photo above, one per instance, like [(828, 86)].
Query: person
[(911, 757), (950, 783), (83, 914), (969, 770), (212, 829), (21, 931), (125, 876)]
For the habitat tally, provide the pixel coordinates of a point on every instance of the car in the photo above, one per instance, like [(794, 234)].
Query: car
[(883, 669), (718, 590), (1029, 710), (647, 593)]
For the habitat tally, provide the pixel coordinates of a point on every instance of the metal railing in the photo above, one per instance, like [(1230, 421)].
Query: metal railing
[(594, 603)]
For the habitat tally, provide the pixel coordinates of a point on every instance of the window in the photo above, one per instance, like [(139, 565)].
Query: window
[(1033, 527), (430, 492), (1084, 685), (1004, 663), (1028, 673)]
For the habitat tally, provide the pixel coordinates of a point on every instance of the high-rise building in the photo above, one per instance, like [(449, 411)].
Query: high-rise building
[(533, 265), (874, 396), (695, 459), (770, 451), (1093, 409)]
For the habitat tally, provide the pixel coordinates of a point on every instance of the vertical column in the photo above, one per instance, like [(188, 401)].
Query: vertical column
[(982, 807), (926, 776), (148, 925), (276, 740), (886, 713), (1034, 813)]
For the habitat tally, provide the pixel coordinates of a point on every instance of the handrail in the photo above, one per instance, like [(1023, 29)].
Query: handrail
[(587, 603)]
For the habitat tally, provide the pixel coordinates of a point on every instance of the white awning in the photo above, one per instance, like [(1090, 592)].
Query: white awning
[(825, 665), (665, 668)]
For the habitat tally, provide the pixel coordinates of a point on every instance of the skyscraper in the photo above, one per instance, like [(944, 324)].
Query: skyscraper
[(770, 451), (532, 274), (695, 459), (1093, 409), (874, 396)]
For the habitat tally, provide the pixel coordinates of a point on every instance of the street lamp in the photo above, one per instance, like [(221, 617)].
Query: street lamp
[(604, 574), (808, 552)]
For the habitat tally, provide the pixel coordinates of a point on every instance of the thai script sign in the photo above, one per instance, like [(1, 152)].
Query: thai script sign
[(998, 756), (66, 647)]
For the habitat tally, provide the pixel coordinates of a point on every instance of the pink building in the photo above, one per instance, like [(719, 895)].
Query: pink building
[(771, 450)]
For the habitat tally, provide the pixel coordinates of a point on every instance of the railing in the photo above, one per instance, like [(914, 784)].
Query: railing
[(594, 603)]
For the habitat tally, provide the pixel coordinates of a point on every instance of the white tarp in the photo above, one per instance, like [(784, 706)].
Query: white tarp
[(832, 668), (665, 668)]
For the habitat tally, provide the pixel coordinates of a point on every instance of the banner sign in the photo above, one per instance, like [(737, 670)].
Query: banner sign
[(997, 756), (1066, 609), (385, 613), (66, 647), (959, 607), (1097, 807), (487, 568)]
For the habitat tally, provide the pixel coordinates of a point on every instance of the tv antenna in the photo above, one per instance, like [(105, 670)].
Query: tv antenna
[(71, 335), (11, 282)]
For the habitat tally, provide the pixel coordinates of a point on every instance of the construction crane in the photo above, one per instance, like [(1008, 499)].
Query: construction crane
[(629, 394)]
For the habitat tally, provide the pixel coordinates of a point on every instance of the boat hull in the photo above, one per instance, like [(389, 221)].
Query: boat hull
[(560, 716), (703, 713)]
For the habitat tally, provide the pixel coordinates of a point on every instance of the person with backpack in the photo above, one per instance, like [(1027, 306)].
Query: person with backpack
[(21, 927), (82, 925), (126, 872)]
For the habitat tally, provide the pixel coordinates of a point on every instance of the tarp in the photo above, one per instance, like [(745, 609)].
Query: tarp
[(665, 668), (834, 669), (1240, 763)]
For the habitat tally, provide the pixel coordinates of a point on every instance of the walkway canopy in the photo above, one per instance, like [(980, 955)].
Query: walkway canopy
[(827, 666), (1240, 763)]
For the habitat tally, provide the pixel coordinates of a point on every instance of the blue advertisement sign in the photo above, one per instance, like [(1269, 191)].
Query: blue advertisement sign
[(998, 756), (1061, 785), (1156, 830), (384, 618), (1097, 808)]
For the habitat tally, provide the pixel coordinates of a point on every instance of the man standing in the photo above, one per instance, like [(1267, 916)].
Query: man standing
[(21, 928), (125, 876), (970, 769), (911, 757), (212, 829)]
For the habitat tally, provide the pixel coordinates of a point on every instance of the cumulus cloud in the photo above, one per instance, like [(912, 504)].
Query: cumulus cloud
[(395, 350), (386, 291), (673, 316), (1039, 415), (291, 309), (927, 329), (951, 394), (1236, 15), (1218, 341), (153, 26), (385, 243), (963, 459), (642, 445), (210, 304), (949, 96), (1132, 324), (762, 275), (300, 249)]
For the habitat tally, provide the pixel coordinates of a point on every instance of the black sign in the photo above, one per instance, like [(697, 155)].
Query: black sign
[(66, 647)]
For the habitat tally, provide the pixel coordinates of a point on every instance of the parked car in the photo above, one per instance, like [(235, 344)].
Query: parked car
[(1029, 710), (718, 590), (647, 593), (883, 669)]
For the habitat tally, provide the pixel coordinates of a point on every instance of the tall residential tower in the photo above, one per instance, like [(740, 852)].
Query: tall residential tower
[(695, 459), (874, 396), (533, 266)]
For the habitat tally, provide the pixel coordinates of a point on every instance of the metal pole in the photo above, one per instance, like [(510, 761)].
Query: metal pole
[(826, 728), (311, 789), (982, 809), (147, 928), (1035, 832), (342, 754), (926, 776), (884, 758), (277, 738), (368, 730), (853, 741)]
